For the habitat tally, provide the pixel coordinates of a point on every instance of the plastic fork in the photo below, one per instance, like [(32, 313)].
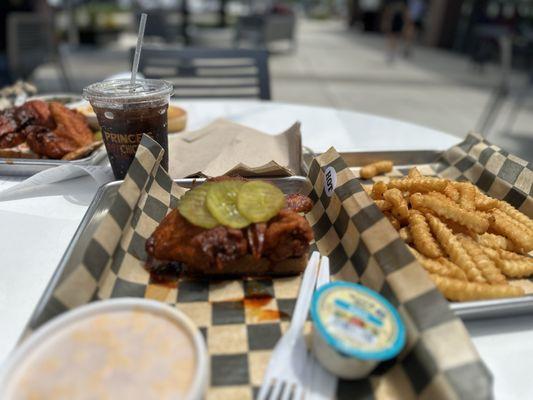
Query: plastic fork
[(285, 375), (321, 384)]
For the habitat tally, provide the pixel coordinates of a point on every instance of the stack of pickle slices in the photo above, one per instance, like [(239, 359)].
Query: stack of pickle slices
[(232, 203)]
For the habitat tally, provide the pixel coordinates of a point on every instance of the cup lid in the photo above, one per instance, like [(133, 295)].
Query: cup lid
[(120, 91), (357, 322)]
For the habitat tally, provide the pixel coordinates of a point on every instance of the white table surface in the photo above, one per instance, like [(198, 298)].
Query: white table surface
[(35, 231)]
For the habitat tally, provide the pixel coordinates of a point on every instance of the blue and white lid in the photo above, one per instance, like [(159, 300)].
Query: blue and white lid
[(357, 322)]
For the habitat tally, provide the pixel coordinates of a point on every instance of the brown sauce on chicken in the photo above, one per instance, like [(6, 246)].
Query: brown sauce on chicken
[(285, 236), (211, 251), (51, 130)]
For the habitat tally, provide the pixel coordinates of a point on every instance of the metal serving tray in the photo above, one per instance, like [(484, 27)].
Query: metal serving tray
[(107, 194), (31, 166), (467, 310), (99, 207)]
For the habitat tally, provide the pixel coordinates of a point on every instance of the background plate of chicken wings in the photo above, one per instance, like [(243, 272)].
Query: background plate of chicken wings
[(40, 134)]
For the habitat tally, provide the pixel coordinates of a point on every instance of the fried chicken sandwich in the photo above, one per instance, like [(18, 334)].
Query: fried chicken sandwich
[(233, 226)]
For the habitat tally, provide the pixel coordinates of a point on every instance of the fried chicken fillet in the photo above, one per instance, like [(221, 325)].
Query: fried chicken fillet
[(277, 247)]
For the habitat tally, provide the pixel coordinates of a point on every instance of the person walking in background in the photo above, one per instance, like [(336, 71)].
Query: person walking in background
[(395, 15), (416, 10), (370, 12)]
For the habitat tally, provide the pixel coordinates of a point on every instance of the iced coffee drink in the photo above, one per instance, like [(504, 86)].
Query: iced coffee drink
[(125, 113)]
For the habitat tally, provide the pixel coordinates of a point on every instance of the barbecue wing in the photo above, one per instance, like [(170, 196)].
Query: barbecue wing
[(50, 129)]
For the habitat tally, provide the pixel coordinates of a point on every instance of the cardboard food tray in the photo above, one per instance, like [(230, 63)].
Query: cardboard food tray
[(242, 319), (31, 166)]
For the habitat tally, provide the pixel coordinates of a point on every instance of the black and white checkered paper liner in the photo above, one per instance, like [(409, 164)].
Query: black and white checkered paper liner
[(496, 172), (439, 360)]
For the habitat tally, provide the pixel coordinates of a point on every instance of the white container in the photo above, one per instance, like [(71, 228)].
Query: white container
[(108, 318), (354, 329)]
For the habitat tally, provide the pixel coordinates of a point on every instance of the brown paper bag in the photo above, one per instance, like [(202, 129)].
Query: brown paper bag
[(225, 147)]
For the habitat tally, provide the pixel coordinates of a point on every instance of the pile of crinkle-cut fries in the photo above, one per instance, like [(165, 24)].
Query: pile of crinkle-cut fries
[(468, 242)]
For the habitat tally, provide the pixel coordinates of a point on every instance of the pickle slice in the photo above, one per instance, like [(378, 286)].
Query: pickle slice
[(221, 202), (259, 201), (193, 208)]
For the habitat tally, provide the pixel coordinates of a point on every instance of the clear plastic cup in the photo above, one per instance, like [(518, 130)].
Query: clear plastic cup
[(125, 115)]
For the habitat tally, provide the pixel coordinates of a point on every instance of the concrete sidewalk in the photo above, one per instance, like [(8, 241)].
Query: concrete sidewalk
[(337, 67), (346, 69)]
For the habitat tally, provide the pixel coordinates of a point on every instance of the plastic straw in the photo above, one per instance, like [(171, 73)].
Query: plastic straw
[(137, 56)]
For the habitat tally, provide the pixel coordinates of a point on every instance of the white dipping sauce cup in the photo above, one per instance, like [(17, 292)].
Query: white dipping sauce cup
[(46, 333)]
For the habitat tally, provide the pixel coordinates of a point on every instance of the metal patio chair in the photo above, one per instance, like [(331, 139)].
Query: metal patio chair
[(261, 30), (30, 43), (209, 73)]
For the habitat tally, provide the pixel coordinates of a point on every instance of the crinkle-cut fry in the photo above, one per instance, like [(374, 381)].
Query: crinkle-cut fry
[(423, 240), (457, 290), (516, 232), (467, 197), (494, 241), (515, 214), (393, 220), (472, 220), (454, 249), (414, 173), (511, 264), (509, 255), (451, 192), (456, 227), (492, 253), (441, 196), (405, 234), (375, 168), (457, 271), (423, 185), (383, 205), (433, 266), (484, 263), (484, 202), (399, 205), (439, 267), (424, 210), (517, 268), (378, 189)]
